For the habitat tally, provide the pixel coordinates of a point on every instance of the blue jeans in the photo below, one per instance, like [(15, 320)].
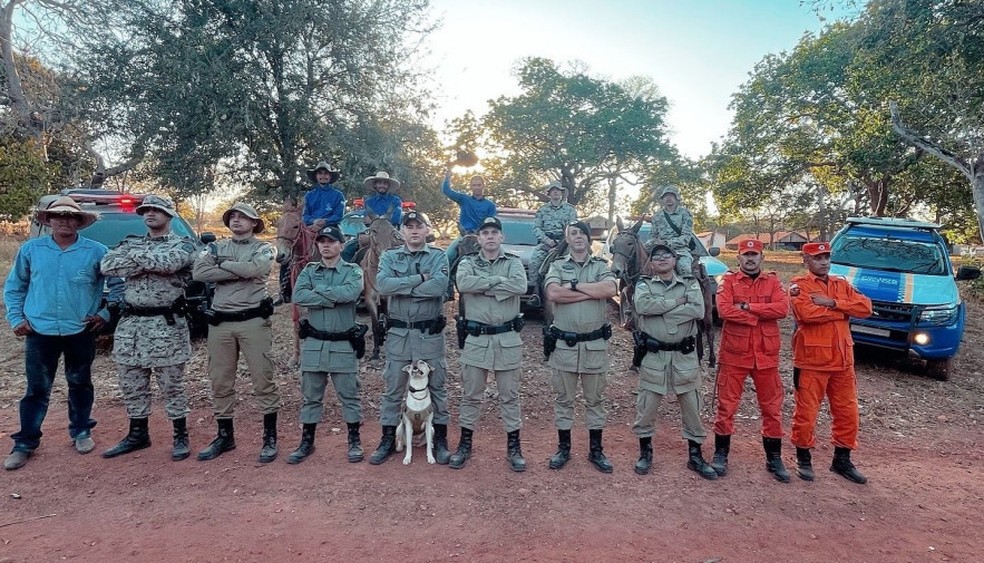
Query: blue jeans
[(41, 354)]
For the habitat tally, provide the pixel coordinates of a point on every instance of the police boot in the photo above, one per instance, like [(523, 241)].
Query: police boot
[(387, 446), (514, 453), (441, 453), (842, 466), (722, 447), (181, 449), (225, 441), (355, 452), (269, 451), (804, 464), (597, 455), (563, 455), (461, 455), (137, 438), (645, 462), (695, 461), (773, 459), (306, 446)]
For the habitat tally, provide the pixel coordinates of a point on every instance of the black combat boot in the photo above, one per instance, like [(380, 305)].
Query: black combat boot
[(722, 447), (842, 466), (514, 452), (804, 464), (306, 446), (181, 449), (773, 459), (563, 455), (355, 453), (441, 453), (463, 453), (137, 438), (645, 462), (224, 442), (597, 455), (387, 446), (269, 451), (695, 461)]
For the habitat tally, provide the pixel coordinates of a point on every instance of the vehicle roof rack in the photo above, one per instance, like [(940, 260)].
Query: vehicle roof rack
[(894, 222)]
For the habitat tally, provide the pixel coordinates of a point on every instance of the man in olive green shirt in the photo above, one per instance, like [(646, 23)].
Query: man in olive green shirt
[(579, 286), (240, 320), (667, 310), (329, 290), (490, 284)]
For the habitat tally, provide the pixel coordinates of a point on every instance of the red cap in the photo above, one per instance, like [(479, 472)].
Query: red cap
[(750, 245), (815, 248)]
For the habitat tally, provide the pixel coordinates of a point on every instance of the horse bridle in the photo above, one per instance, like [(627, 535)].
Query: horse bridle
[(630, 260)]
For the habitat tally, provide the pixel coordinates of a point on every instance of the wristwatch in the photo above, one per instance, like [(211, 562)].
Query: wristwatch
[(573, 285)]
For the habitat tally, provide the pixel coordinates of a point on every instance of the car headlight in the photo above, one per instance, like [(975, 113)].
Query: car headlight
[(938, 316)]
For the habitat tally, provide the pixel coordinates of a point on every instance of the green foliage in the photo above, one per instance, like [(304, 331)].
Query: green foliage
[(24, 177)]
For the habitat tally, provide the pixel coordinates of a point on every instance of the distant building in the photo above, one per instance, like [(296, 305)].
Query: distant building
[(780, 240), (713, 238)]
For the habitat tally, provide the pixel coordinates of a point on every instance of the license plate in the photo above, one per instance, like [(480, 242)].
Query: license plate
[(871, 330)]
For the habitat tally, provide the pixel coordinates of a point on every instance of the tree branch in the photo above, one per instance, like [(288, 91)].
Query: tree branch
[(927, 145)]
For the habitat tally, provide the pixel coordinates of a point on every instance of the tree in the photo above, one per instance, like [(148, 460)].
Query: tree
[(585, 132)]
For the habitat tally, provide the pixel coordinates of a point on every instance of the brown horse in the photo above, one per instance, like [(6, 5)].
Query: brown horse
[(295, 246), (630, 260), (382, 237)]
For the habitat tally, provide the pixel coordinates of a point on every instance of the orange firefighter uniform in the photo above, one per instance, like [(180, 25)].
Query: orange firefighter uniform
[(751, 308), (823, 353)]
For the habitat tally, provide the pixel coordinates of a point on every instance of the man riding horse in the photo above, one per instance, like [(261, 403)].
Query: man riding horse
[(380, 203), (548, 226), (673, 225)]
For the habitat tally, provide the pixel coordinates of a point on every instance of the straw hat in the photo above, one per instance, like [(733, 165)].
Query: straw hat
[(66, 206)]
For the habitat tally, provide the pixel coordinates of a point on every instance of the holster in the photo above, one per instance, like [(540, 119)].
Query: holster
[(460, 331), (382, 325), (358, 339), (639, 350), (549, 341)]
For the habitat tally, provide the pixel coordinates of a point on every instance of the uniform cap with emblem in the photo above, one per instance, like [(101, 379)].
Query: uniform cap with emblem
[(247, 210), (332, 232), (555, 185), (370, 182), (418, 216), (161, 203), (490, 222), (66, 206), (581, 226), (816, 248), (750, 245), (663, 248)]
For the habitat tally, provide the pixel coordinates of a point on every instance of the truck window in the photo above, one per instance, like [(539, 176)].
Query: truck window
[(889, 254)]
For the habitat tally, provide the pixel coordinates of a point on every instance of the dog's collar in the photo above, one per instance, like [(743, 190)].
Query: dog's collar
[(412, 390)]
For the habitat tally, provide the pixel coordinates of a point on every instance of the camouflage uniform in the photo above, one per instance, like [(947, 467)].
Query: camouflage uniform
[(680, 244), (549, 224), (156, 272)]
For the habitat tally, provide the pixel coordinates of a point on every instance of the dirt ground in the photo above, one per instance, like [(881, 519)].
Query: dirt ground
[(920, 448)]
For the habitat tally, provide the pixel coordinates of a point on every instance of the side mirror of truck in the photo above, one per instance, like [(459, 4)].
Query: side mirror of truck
[(207, 238), (968, 273), (714, 251)]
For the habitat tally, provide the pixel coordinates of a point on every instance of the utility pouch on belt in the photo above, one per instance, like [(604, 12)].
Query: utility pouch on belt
[(549, 340), (460, 331)]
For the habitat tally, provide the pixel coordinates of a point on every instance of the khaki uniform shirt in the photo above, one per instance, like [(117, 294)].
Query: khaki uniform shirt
[(240, 271), (585, 316), (156, 272), (660, 317), (330, 295), (410, 299), (490, 293)]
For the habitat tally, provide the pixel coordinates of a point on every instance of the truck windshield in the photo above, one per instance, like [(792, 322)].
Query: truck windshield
[(518, 231), (889, 254), (114, 227)]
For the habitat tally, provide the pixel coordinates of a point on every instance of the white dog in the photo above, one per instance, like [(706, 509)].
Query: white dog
[(417, 420)]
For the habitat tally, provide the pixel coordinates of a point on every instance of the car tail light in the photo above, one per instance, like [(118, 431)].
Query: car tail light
[(358, 203), (127, 203), (409, 205)]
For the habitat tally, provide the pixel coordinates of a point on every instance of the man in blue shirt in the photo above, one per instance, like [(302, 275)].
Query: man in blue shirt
[(324, 204), (474, 208), (381, 202), (53, 296)]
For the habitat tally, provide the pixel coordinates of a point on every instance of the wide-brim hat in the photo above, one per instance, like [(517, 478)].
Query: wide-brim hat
[(323, 165), (161, 203), (554, 186), (66, 206), (394, 184), (670, 189), (247, 210)]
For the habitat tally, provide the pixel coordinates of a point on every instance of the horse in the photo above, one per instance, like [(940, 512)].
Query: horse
[(295, 246), (630, 260), (382, 236)]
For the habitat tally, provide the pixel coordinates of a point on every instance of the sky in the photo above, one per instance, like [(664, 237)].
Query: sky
[(698, 52)]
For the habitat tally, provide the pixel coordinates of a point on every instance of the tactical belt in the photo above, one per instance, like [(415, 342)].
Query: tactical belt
[(475, 328), (429, 324), (572, 338), (308, 331), (264, 310), (177, 308)]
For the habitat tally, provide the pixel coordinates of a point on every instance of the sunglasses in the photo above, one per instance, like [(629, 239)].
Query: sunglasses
[(663, 256)]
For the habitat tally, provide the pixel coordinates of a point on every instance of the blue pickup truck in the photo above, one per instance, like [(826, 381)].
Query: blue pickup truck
[(904, 267)]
